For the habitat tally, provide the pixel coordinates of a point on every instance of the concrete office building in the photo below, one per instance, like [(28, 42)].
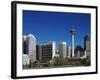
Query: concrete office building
[(87, 45), (79, 51), (25, 59), (69, 52), (84, 56), (46, 52), (25, 56), (63, 49), (39, 53), (32, 47), (24, 45), (29, 47), (53, 43)]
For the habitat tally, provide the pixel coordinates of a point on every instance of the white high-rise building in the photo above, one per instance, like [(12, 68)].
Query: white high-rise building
[(25, 59), (63, 49), (29, 47), (69, 52), (53, 43), (32, 47), (25, 56)]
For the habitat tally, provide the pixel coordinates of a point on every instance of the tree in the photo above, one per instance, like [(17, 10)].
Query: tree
[(55, 61), (59, 61), (85, 62), (63, 61)]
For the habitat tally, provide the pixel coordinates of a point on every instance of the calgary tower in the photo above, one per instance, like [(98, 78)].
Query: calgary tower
[(72, 31)]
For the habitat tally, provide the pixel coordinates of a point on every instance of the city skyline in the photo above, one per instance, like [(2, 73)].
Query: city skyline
[(46, 55), (55, 26)]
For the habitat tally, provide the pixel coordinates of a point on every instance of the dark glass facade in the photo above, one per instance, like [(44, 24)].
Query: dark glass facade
[(44, 53)]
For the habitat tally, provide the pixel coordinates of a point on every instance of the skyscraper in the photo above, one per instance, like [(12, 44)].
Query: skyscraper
[(46, 52), (53, 43), (69, 52), (62, 49), (32, 47), (79, 51), (29, 47), (24, 45), (25, 56), (87, 45)]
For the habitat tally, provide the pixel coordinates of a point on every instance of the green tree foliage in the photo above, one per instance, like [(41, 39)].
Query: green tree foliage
[(59, 61), (85, 62), (55, 61)]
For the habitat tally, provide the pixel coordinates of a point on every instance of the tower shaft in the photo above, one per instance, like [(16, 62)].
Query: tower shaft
[(72, 45)]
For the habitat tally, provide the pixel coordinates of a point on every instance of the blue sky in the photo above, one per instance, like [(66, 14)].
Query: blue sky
[(55, 26)]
